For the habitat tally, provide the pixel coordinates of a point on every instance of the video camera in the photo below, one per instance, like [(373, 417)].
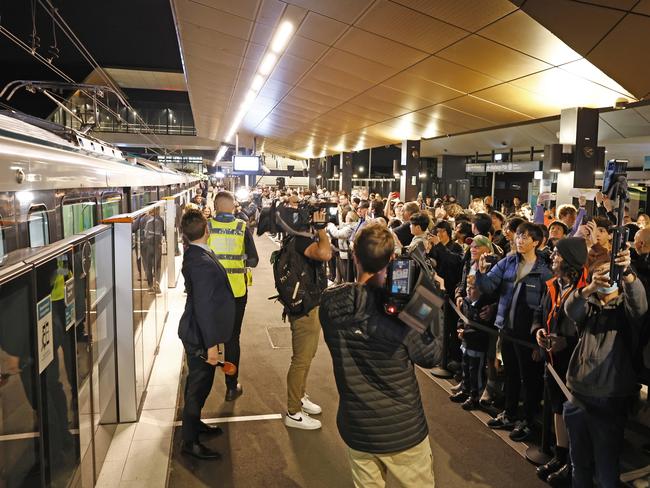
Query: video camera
[(615, 187), (411, 292), (282, 218)]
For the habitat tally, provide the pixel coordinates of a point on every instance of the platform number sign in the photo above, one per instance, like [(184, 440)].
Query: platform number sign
[(69, 303), (44, 333)]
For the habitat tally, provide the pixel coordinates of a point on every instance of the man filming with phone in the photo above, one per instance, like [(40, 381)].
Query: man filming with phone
[(380, 415)]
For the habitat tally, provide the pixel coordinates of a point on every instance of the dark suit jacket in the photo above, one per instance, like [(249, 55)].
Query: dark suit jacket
[(209, 314), (403, 233)]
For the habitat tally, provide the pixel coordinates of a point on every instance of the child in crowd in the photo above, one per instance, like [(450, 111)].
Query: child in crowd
[(474, 347)]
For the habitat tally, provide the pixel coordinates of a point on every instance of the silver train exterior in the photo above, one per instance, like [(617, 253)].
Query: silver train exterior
[(47, 181)]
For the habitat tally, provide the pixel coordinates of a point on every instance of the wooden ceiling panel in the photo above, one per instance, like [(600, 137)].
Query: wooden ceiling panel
[(628, 122), (408, 102), (290, 68), (486, 110), (562, 17), (342, 10), (519, 31), (311, 83), (321, 29), (361, 67), (217, 20), (492, 59), (275, 89), (643, 7), (421, 88), (304, 48), (377, 104), (620, 54), (470, 15), (619, 4), (588, 71), (240, 8), (456, 117), (379, 49), (363, 111), (315, 98), (562, 89), (518, 99), (419, 31), (343, 78), (451, 75)]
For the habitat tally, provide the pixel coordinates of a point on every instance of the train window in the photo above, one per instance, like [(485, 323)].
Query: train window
[(77, 216), (111, 205), (39, 233)]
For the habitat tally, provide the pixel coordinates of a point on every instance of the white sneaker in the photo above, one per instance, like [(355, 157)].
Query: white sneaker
[(301, 420), (310, 407)]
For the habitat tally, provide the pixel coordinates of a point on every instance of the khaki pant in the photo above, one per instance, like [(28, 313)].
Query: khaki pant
[(305, 333), (412, 468)]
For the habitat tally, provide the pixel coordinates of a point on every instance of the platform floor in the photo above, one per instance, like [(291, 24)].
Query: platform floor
[(262, 452)]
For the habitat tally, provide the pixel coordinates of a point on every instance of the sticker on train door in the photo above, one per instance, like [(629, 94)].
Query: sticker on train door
[(44, 333), (69, 303)]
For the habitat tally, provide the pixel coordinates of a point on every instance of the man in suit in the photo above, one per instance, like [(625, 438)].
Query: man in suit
[(207, 321)]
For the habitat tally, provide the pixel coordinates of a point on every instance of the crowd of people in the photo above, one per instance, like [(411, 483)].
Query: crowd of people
[(529, 289)]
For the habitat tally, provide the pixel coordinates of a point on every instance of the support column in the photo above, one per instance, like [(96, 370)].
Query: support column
[(454, 178), (314, 170), (409, 179), (579, 128), (345, 172)]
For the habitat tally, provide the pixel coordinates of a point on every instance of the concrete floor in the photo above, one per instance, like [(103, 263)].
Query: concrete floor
[(264, 453)]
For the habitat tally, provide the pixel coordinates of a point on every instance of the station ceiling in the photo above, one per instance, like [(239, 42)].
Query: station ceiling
[(364, 73)]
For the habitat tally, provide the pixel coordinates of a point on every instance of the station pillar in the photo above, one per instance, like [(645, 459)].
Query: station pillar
[(409, 169), (313, 172), (579, 136), (345, 172)]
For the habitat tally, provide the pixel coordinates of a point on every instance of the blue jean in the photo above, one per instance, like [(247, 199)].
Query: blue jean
[(596, 440)]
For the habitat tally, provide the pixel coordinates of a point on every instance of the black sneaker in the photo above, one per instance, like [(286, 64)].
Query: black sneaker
[(501, 421), (470, 404), (522, 431), (459, 397)]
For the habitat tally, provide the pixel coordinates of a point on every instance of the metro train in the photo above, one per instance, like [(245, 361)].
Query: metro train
[(56, 182)]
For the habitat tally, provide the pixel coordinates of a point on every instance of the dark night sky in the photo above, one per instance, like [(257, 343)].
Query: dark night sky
[(118, 33)]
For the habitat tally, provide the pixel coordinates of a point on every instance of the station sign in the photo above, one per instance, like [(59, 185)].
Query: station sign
[(44, 333)]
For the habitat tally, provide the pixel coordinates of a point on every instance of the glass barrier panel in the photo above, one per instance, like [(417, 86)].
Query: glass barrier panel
[(57, 366), (38, 229), (20, 463), (160, 272), (102, 332), (139, 286)]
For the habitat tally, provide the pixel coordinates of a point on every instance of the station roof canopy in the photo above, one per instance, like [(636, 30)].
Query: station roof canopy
[(364, 73)]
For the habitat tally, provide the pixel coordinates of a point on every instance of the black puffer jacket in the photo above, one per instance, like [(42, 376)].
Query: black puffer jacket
[(380, 409)]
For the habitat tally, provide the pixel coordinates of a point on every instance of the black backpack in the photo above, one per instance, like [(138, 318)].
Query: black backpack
[(299, 282)]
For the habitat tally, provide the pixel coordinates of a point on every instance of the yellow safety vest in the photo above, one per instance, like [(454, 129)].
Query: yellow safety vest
[(227, 242)]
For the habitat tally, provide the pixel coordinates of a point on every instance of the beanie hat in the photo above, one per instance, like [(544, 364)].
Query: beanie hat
[(480, 240), (573, 250)]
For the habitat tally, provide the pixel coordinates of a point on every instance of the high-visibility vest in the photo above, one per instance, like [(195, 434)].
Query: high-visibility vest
[(227, 243)]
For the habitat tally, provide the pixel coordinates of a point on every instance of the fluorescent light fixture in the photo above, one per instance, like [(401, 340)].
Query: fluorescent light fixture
[(598, 172), (556, 170), (258, 81), (221, 153), (282, 36), (498, 157), (267, 64)]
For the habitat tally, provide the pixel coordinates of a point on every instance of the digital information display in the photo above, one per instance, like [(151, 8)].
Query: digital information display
[(245, 164)]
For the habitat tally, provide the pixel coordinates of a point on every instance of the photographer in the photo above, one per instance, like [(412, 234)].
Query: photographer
[(308, 254), (600, 374), (380, 415)]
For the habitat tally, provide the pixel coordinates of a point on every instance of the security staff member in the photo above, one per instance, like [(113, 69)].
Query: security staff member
[(206, 322), (234, 247)]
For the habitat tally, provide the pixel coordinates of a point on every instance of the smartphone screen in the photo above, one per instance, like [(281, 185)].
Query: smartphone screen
[(400, 283)]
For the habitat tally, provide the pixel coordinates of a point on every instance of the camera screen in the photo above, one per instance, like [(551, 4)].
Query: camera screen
[(400, 277), (333, 211)]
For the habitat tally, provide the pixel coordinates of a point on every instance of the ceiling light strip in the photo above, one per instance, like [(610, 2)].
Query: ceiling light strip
[(277, 45)]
